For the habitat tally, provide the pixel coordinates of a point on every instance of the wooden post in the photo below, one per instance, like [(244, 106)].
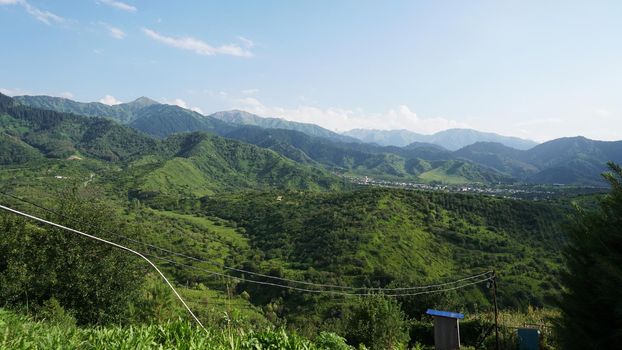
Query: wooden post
[(494, 298)]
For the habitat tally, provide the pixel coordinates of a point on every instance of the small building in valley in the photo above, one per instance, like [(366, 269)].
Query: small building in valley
[(446, 329)]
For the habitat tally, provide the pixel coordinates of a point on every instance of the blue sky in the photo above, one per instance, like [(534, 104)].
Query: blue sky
[(533, 69)]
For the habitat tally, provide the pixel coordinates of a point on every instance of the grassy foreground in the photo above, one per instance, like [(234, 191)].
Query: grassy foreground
[(20, 332)]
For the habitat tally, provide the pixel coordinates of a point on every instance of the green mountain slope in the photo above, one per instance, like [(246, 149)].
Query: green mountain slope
[(201, 164), (164, 120), (575, 161), (499, 157)]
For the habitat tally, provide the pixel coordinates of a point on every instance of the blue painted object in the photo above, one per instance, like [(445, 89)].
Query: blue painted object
[(528, 339), (447, 314)]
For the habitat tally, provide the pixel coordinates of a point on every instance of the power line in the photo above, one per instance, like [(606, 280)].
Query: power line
[(112, 244), (306, 290), (319, 285)]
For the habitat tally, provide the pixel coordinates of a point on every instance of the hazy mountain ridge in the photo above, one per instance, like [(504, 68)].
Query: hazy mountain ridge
[(451, 139), (124, 112), (245, 118)]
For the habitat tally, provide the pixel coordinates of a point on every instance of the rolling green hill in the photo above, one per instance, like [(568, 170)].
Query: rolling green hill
[(383, 237)]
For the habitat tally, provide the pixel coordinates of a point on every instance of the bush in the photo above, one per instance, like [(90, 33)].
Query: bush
[(379, 323)]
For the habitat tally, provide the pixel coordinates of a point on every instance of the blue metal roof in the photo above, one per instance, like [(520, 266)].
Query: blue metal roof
[(447, 314)]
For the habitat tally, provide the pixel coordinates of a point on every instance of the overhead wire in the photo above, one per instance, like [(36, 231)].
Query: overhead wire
[(371, 291), (119, 246), (319, 285)]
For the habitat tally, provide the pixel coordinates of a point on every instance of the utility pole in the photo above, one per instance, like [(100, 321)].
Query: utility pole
[(494, 299)]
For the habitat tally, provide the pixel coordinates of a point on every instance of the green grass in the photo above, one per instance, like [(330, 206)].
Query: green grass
[(439, 175), (19, 332)]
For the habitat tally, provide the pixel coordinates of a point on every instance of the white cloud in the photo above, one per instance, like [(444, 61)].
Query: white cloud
[(604, 113), (41, 15), (181, 103), (197, 46), (66, 94), (246, 42), (114, 32), (250, 91), (342, 119), (12, 92), (119, 5), (177, 102), (110, 100)]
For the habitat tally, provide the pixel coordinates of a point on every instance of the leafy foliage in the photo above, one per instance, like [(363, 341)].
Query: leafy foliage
[(379, 323), (590, 305), (39, 264)]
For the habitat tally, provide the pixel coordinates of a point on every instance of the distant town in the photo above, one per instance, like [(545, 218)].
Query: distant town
[(514, 191)]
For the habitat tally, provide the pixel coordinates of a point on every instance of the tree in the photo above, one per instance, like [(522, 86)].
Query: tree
[(591, 307), (379, 323), (93, 281)]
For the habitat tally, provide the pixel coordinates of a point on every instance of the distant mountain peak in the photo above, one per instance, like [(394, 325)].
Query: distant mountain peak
[(143, 102)]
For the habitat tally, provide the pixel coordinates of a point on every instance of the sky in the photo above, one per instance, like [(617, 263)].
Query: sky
[(533, 69)]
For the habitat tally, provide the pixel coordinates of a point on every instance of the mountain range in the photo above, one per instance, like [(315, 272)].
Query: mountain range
[(451, 139), (183, 164), (431, 158)]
